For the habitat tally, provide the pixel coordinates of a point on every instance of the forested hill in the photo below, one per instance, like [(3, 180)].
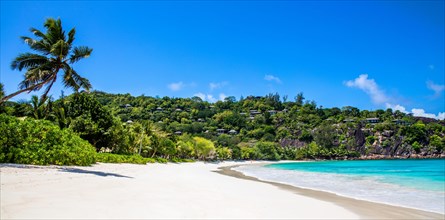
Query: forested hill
[(255, 127)]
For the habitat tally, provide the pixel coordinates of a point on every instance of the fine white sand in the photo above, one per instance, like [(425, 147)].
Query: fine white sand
[(153, 191)]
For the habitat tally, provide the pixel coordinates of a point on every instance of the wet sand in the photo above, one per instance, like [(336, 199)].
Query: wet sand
[(365, 209)]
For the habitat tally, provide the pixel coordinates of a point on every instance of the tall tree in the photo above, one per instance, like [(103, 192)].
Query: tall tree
[(55, 53)]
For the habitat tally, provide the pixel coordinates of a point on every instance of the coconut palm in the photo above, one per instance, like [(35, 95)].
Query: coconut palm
[(41, 108), (55, 53)]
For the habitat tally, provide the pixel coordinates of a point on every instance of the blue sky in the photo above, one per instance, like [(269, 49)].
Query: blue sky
[(367, 54)]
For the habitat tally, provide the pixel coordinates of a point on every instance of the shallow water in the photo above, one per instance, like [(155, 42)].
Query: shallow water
[(416, 184)]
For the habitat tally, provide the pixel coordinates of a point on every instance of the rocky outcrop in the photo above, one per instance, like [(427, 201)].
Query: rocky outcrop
[(359, 136), (389, 145), (412, 156)]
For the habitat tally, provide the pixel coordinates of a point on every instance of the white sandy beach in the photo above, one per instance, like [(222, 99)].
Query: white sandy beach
[(123, 191), (153, 191)]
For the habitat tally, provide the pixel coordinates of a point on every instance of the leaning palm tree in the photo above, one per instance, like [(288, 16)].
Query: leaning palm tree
[(55, 53)]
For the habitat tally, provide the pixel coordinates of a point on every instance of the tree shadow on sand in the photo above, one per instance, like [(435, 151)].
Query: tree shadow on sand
[(63, 169), (93, 172)]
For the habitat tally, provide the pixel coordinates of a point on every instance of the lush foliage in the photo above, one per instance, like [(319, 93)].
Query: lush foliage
[(117, 158), (298, 129), (260, 128), (41, 142)]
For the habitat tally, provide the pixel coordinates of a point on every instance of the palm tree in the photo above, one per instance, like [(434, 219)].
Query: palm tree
[(40, 107), (55, 53)]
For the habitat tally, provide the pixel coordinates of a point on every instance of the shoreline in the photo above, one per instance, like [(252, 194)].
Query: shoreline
[(171, 191), (365, 209)]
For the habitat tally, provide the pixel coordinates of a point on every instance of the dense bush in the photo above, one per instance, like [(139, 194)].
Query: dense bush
[(265, 128), (40, 142), (135, 159), (118, 158), (267, 151)]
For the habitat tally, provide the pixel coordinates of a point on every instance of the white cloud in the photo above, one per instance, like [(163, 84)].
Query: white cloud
[(210, 97), (370, 87), (222, 96), (435, 87), (272, 78), (416, 112), (396, 107), (200, 95), (217, 85), (176, 86), (422, 113)]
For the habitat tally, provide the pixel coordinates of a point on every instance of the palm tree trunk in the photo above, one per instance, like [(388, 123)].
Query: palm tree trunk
[(6, 98), (49, 87), (154, 153), (29, 89)]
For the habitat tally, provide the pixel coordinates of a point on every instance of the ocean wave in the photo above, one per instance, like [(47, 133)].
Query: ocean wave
[(371, 188)]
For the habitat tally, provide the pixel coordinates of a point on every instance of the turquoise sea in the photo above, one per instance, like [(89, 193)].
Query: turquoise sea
[(414, 183)]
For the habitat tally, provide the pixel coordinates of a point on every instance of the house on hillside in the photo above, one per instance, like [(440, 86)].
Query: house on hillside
[(272, 112), (220, 131), (253, 113), (348, 120), (372, 120), (400, 122)]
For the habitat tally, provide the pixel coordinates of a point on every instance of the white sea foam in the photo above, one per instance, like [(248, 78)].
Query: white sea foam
[(370, 188)]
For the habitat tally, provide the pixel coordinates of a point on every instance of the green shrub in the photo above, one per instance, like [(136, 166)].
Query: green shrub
[(268, 151), (118, 158), (180, 160), (40, 142), (161, 160)]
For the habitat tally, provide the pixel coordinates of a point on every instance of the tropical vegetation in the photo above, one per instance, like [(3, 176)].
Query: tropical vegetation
[(86, 127), (252, 128)]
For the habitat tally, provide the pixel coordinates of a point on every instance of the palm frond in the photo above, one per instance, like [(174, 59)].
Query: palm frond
[(83, 82), (71, 36), (54, 30), (73, 80), (79, 53), (34, 77), (28, 40), (37, 33), (60, 49), (38, 75), (28, 60), (2, 90), (38, 45), (68, 80), (50, 22)]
